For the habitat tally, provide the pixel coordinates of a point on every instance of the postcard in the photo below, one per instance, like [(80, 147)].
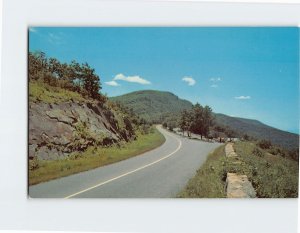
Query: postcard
[(163, 112)]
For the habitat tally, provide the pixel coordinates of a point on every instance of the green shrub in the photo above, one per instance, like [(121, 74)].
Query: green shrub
[(74, 76), (257, 152), (264, 144), (272, 176), (294, 154), (34, 164)]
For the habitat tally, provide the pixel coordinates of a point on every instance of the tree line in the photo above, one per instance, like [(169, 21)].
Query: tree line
[(200, 120), (197, 120), (76, 77)]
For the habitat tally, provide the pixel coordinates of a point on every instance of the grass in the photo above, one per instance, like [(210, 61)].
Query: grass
[(272, 176), (49, 94), (207, 182), (93, 157)]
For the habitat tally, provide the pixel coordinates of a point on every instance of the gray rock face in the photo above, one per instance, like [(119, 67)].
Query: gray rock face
[(55, 130)]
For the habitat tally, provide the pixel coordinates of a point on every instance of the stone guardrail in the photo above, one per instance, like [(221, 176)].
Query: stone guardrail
[(237, 186)]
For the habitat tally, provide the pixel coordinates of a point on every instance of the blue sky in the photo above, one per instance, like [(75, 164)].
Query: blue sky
[(245, 72)]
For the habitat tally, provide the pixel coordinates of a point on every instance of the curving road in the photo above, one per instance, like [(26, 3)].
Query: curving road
[(162, 172)]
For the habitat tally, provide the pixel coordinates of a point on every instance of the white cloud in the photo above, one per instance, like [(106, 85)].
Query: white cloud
[(55, 38), (132, 79), (218, 79), (215, 81), (190, 81), (112, 83), (32, 30), (242, 97)]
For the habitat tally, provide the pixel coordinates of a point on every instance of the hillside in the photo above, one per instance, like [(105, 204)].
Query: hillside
[(154, 106), (256, 129), (70, 133), (61, 122), (158, 106), (72, 126)]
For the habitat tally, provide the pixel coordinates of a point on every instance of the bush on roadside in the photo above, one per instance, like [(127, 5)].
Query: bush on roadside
[(264, 144), (257, 152)]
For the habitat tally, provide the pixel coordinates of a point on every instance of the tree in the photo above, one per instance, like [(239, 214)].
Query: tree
[(246, 137), (37, 63), (208, 120), (190, 120), (91, 81), (55, 67), (185, 121), (198, 121), (171, 125), (230, 133), (75, 77)]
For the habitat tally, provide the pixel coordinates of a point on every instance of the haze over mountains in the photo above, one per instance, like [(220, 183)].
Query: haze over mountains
[(159, 106)]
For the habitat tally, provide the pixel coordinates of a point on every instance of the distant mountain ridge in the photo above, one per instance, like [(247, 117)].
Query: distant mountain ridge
[(259, 130), (158, 106), (153, 106)]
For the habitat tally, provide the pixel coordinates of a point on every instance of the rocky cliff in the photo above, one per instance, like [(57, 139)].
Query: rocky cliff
[(58, 129)]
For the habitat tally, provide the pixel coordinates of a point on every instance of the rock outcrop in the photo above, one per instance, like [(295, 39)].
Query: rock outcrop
[(56, 130)]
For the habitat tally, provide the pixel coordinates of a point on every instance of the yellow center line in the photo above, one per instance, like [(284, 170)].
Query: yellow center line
[(133, 171)]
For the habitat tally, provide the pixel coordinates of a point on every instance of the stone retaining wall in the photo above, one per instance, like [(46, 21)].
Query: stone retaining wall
[(237, 186)]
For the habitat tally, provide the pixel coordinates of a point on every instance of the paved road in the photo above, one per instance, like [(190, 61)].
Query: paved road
[(162, 172)]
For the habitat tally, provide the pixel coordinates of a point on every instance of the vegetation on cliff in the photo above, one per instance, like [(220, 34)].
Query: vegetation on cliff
[(72, 126), (75, 77)]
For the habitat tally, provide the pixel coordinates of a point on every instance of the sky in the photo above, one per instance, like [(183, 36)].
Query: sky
[(250, 72)]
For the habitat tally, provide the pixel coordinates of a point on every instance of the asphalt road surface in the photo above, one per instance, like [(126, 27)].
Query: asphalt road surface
[(160, 173)]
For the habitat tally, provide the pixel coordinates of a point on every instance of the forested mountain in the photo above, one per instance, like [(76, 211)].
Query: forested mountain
[(257, 129), (154, 106), (159, 106)]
